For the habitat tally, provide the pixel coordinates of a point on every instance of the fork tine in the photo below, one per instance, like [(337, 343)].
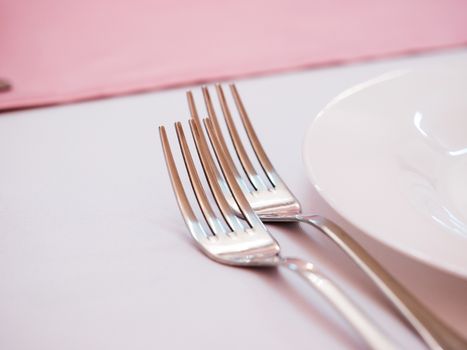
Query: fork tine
[(229, 175), (212, 115), (245, 161), (212, 177), (191, 104), (255, 143), (211, 218), (195, 116), (180, 195)]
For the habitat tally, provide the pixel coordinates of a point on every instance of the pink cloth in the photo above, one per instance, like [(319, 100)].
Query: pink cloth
[(56, 51)]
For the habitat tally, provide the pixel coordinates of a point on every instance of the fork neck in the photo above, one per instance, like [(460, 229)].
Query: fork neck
[(283, 217)]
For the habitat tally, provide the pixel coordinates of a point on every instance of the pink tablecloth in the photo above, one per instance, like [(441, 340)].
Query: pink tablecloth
[(56, 51)]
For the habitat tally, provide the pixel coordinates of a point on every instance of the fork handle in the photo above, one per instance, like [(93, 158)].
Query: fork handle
[(436, 334), (367, 329)]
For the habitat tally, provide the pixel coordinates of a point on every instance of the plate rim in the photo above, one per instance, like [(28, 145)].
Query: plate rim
[(420, 256)]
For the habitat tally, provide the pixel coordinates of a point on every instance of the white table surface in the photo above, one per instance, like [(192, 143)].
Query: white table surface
[(94, 253)]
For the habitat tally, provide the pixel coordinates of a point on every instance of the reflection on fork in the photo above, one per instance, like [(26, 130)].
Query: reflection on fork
[(230, 240), (271, 199)]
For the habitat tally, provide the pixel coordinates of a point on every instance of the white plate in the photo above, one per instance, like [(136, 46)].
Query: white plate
[(390, 156)]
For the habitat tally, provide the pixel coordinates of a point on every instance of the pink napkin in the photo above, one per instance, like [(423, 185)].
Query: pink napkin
[(56, 51)]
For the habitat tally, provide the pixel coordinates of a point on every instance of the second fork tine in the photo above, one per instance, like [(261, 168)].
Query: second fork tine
[(245, 161), (253, 138)]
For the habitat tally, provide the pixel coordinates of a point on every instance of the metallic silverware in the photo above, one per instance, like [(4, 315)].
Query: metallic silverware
[(274, 202), (230, 240), (4, 85)]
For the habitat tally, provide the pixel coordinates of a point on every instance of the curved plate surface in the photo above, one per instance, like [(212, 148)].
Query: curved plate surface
[(390, 156)]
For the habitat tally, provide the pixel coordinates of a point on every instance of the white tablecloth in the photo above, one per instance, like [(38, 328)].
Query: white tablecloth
[(94, 253)]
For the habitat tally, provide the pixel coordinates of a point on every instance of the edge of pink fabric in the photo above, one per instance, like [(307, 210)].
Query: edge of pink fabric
[(58, 52)]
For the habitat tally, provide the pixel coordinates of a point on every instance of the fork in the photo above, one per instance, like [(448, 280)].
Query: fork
[(272, 201), (229, 240)]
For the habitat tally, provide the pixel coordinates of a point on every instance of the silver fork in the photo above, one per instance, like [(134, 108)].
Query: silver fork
[(232, 241), (271, 199)]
